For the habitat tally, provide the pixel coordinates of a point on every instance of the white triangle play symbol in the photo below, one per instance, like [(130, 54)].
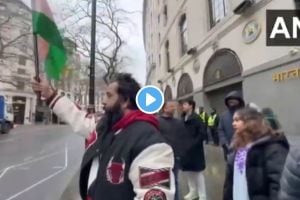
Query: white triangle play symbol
[(149, 99)]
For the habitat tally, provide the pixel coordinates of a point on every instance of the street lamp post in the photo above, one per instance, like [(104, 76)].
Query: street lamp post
[(92, 61)]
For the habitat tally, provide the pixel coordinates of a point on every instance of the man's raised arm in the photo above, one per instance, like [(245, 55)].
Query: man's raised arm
[(65, 109)]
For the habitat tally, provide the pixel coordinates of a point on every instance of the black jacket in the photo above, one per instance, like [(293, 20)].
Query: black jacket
[(124, 158), (194, 159), (225, 128), (116, 150), (265, 161), (290, 181), (174, 132)]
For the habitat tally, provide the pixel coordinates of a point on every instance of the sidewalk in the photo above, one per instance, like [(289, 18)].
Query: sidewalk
[(72, 191)]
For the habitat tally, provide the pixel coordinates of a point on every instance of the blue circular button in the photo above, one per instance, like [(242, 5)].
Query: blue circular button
[(150, 99)]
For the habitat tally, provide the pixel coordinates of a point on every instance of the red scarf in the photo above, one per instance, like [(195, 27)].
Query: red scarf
[(134, 116)]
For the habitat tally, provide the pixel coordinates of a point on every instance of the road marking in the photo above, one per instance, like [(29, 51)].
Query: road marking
[(7, 140), (66, 155), (24, 168), (57, 167), (3, 172), (45, 179), (28, 158)]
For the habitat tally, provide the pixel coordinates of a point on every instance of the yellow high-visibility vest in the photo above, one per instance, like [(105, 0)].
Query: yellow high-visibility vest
[(202, 116), (212, 120)]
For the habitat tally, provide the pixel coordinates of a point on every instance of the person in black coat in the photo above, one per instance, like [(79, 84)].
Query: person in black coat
[(174, 132), (255, 165), (193, 163), (173, 129), (233, 101), (290, 180)]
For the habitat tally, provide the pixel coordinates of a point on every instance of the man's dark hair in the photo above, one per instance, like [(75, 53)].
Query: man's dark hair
[(128, 88), (191, 103), (164, 105)]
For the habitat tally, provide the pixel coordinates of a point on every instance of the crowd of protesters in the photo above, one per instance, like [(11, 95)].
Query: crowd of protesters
[(260, 164), (129, 154)]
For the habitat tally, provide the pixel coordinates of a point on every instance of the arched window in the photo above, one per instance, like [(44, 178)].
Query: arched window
[(224, 64), (168, 93), (185, 86)]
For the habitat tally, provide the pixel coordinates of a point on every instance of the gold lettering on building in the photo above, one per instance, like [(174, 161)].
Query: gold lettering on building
[(286, 75), (294, 73)]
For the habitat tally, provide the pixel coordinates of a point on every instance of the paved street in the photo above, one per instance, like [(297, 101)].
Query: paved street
[(38, 162), (42, 162)]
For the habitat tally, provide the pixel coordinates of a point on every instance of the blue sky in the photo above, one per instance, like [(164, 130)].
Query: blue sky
[(135, 46)]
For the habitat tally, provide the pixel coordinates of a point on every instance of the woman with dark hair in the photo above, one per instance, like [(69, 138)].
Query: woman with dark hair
[(255, 165)]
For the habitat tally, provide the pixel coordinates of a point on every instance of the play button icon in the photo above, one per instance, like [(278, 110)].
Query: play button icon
[(149, 99)]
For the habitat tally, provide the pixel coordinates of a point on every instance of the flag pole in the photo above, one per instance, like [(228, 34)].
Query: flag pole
[(92, 61), (36, 57), (35, 50)]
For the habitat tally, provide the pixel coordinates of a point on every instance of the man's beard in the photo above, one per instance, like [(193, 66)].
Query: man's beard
[(114, 114), (235, 107)]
